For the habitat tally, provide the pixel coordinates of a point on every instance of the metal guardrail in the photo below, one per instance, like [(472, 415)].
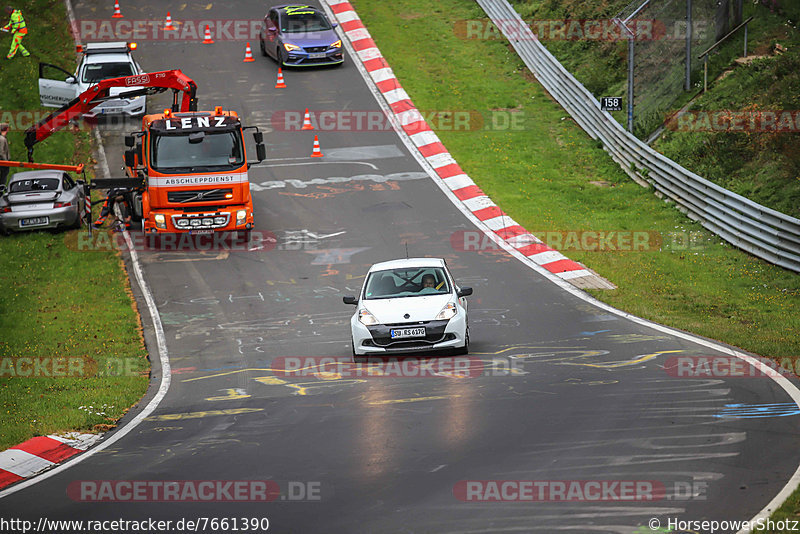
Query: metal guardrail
[(761, 231)]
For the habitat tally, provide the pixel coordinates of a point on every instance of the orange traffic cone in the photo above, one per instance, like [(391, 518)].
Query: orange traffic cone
[(207, 39), (117, 14), (316, 153), (280, 84), (248, 54), (307, 122), (168, 25)]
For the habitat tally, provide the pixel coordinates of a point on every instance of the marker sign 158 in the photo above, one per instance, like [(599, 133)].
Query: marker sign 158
[(611, 103)]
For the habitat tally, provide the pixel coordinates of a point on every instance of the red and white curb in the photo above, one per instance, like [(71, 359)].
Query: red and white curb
[(503, 227), (41, 453)]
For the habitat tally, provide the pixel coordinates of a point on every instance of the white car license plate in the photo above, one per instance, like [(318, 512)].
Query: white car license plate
[(110, 111), (316, 55), (34, 221), (407, 332)]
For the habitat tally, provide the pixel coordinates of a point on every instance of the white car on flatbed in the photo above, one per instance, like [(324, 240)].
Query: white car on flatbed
[(409, 306), (100, 61)]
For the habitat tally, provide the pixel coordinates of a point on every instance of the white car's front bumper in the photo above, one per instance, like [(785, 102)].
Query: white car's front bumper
[(440, 335)]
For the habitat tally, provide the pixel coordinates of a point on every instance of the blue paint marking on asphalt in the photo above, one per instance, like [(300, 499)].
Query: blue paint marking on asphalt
[(752, 411), (593, 333)]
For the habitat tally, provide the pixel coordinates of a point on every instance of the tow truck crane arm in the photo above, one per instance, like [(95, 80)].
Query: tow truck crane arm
[(149, 83)]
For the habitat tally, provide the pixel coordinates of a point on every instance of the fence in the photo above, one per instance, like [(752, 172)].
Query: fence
[(761, 231)]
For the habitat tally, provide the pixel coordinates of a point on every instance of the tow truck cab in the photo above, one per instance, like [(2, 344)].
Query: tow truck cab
[(193, 166)]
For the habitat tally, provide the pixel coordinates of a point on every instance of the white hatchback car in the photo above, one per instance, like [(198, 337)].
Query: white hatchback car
[(409, 305), (100, 61)]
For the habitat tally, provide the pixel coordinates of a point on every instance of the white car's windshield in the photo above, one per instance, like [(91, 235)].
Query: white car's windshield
[(96, 72), (406, 282)]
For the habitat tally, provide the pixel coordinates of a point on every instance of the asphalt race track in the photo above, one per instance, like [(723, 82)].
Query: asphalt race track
[(558, 390)]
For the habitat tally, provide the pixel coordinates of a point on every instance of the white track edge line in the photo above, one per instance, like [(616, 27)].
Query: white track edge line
[(166, 374), (787, 386)]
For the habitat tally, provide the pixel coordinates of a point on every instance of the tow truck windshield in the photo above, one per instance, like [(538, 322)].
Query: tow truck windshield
[(203, 152)]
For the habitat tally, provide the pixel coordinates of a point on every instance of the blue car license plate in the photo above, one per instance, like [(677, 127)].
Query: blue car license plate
[(316, 55), (34, 221), (407, 332)]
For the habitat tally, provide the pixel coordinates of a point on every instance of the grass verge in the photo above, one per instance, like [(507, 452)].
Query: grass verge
[(762, 166), (72, 355)]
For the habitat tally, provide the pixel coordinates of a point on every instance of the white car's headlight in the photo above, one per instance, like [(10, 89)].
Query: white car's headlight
[(366, 318), (448, 312)]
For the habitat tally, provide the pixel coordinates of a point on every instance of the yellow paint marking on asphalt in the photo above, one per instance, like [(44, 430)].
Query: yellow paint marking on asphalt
[(198, 415), (303, 387), (612, 365), (270, 380), (328, 375), (231, 394), (415, 399), (227, 373), (515, 347)]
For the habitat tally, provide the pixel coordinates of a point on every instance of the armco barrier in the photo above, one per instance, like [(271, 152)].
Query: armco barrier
[(761, 231)]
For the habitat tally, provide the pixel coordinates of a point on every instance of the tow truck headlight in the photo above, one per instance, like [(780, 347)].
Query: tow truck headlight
[(161, 221), (241, 215), (196, 222), (208, 221), (219, 220), (448, 312), (366, 318), (290, 47)]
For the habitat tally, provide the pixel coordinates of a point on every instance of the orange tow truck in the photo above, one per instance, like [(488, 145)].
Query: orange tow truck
[(186, 170)]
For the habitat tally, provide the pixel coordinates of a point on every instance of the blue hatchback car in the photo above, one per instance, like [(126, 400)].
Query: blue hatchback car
[(300, 36)]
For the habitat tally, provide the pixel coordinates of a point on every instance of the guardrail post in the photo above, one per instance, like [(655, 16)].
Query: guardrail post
[(630, 82), (687, 85), (705, 73), (745, 40)]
